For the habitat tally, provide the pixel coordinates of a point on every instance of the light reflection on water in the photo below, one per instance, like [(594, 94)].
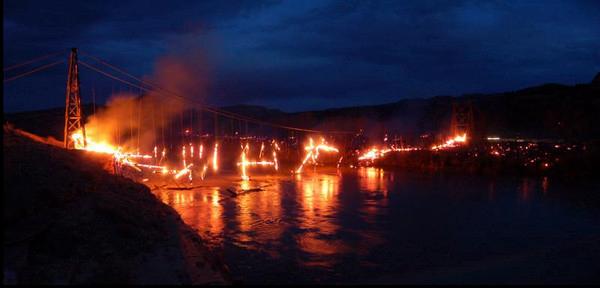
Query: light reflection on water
[(365, 223), (371, 179), (318, 201)]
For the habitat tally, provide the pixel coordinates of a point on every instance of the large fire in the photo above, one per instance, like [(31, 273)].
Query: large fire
[(92, 145), (137, 161), (129, 158)]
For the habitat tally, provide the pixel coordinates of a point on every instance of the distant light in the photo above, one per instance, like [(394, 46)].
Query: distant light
[(493, 138)]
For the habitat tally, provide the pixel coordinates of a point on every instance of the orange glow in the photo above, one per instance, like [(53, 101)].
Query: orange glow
[(451, 143), (244, 162), (340, 162), (373, 154), (376, 153), (183, 171), (102, 147), (121, 157), (312, 152), (262, 148), (215, 159), (203, 171), (183, 155), (372, 179), (275, 148), (319, 198)]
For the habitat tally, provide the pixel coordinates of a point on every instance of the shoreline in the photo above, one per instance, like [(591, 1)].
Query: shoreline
[(69, 221)]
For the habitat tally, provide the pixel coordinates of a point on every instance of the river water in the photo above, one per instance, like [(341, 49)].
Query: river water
[(370, 225)]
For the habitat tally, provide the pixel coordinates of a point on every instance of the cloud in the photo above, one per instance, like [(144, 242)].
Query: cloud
[(335, 53), (397, 49)]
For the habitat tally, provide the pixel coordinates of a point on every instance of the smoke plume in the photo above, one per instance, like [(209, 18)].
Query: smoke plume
[(138, 121)]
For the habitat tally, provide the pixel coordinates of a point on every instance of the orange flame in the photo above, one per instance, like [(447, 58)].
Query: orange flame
[(451, 143), (216, 157), (183, 171), (244, 162), (376, 153), (312, 152)]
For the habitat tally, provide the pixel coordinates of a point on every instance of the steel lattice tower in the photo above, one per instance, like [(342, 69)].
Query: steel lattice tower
[(73, 113), (462, 119)]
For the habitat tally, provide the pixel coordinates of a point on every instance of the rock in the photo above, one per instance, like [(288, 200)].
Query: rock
[(69, 221)]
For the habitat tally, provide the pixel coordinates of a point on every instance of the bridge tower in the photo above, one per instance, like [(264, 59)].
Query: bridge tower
[(462, 119), (73, 113)]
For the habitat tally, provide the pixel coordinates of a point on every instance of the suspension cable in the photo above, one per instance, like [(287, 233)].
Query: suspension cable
[(33, 71), (153, 85), (207, 108), (118, 69), (32, 60)]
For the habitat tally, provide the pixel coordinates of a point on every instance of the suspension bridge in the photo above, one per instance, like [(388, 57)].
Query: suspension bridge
[(75, 135), (74, 118)]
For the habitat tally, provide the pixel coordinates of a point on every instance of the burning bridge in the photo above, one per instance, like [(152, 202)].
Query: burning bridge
[(197, 150)]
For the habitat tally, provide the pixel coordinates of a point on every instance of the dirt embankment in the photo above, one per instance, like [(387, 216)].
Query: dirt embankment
[(68, 221)]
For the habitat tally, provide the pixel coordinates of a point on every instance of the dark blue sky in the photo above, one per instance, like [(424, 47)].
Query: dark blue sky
[(298, 55)]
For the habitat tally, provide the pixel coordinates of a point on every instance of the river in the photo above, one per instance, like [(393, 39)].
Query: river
[(370, 225)]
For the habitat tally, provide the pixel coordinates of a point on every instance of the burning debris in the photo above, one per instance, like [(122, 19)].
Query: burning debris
[(215, 158), (451, 143), (376, 153), (140, 162), (244, 163), (312, 152), (131, 159), (193, 159)]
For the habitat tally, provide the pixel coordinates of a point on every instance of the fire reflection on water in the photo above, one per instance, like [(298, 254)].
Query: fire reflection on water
[(259, 215), (317, 193), (372, 179), (319, 222), (373, 182), (374, 186), (261, 220), (318, 197), (197, 207), (214, 221)]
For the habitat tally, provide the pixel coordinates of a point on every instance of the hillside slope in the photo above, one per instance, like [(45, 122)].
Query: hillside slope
[(544, 111), (67, 221)]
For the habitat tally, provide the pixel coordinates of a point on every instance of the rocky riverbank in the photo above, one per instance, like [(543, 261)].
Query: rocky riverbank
[(68, 221)]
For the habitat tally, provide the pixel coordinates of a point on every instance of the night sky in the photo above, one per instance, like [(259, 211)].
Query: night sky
[(299, 55)]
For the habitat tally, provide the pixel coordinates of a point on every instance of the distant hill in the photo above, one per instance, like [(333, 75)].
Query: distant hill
[(596, 79), (255, 111), (545, 111)]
